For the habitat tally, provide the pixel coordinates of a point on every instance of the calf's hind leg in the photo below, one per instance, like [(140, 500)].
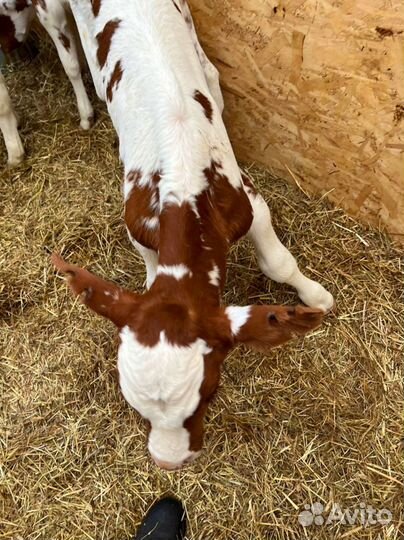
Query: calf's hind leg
[(276, 261), (9, 126)]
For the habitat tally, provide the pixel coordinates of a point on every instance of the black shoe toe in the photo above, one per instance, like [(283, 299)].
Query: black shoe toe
[(165, 520)]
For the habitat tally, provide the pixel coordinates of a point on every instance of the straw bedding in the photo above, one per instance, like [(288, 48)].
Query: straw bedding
[(319, 420)]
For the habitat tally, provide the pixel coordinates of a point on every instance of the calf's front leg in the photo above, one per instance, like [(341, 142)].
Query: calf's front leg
[(9, 126), (276, 261)]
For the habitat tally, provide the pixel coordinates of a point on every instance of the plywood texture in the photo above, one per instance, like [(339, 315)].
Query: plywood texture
[(316, 88)]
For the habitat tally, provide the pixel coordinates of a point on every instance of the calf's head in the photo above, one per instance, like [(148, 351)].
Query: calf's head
[(171, 351)]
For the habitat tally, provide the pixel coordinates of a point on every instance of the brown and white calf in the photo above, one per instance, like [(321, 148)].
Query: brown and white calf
[(186, 202), (16, 17)]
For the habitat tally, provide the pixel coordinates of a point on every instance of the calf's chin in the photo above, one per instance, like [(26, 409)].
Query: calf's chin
[(169, 448)]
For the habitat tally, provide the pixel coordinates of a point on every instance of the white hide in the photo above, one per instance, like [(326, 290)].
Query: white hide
[(162, 383), (159, 123)]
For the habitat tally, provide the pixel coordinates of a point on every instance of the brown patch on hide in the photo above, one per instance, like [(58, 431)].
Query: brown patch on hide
[(211, 378), (187, 238), (200, 237), (180, 233), (158, 315), (8, 40), (195, 426), (64, 40), (205, 104), (20, 5), (104, 39), (141, 207), (96, 6), (116, 76), (232, 210)]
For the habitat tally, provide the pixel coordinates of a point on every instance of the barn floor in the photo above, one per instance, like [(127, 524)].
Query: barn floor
[(319, 420)]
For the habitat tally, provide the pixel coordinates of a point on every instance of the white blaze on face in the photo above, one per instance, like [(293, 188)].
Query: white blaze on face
[(162, 383)]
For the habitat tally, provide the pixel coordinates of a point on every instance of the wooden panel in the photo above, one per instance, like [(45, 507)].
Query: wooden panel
[(316, 87)]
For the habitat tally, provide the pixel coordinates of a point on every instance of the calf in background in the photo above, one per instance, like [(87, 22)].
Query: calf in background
[(16, 17)]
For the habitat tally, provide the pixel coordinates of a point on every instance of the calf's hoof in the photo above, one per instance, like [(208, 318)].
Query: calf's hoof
[(14, 161), (87, 123), (317, 297)]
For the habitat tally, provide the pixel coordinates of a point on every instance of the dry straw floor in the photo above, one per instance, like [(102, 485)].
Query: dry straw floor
[(319, 420)]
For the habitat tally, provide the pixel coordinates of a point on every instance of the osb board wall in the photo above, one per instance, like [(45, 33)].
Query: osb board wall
[(315, 89)]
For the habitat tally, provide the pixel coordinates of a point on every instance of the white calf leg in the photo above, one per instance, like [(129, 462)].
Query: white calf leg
[(8, 126), (277, 262), (52, 15), (150, 259)]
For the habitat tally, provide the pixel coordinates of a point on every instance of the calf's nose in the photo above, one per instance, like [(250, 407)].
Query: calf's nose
[(170, 466), (166, 465)]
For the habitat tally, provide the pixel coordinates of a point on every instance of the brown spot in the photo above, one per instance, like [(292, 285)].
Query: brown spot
[(176, 7), (114, 80), (205, 103), (96, 5), (156, 177), (8, 40), (140, 208), (65, 40), (20, 5), (104, 39), (386, 32)]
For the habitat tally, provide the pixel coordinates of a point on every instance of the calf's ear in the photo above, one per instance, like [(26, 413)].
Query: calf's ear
[(103, 297), (264, 327)]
